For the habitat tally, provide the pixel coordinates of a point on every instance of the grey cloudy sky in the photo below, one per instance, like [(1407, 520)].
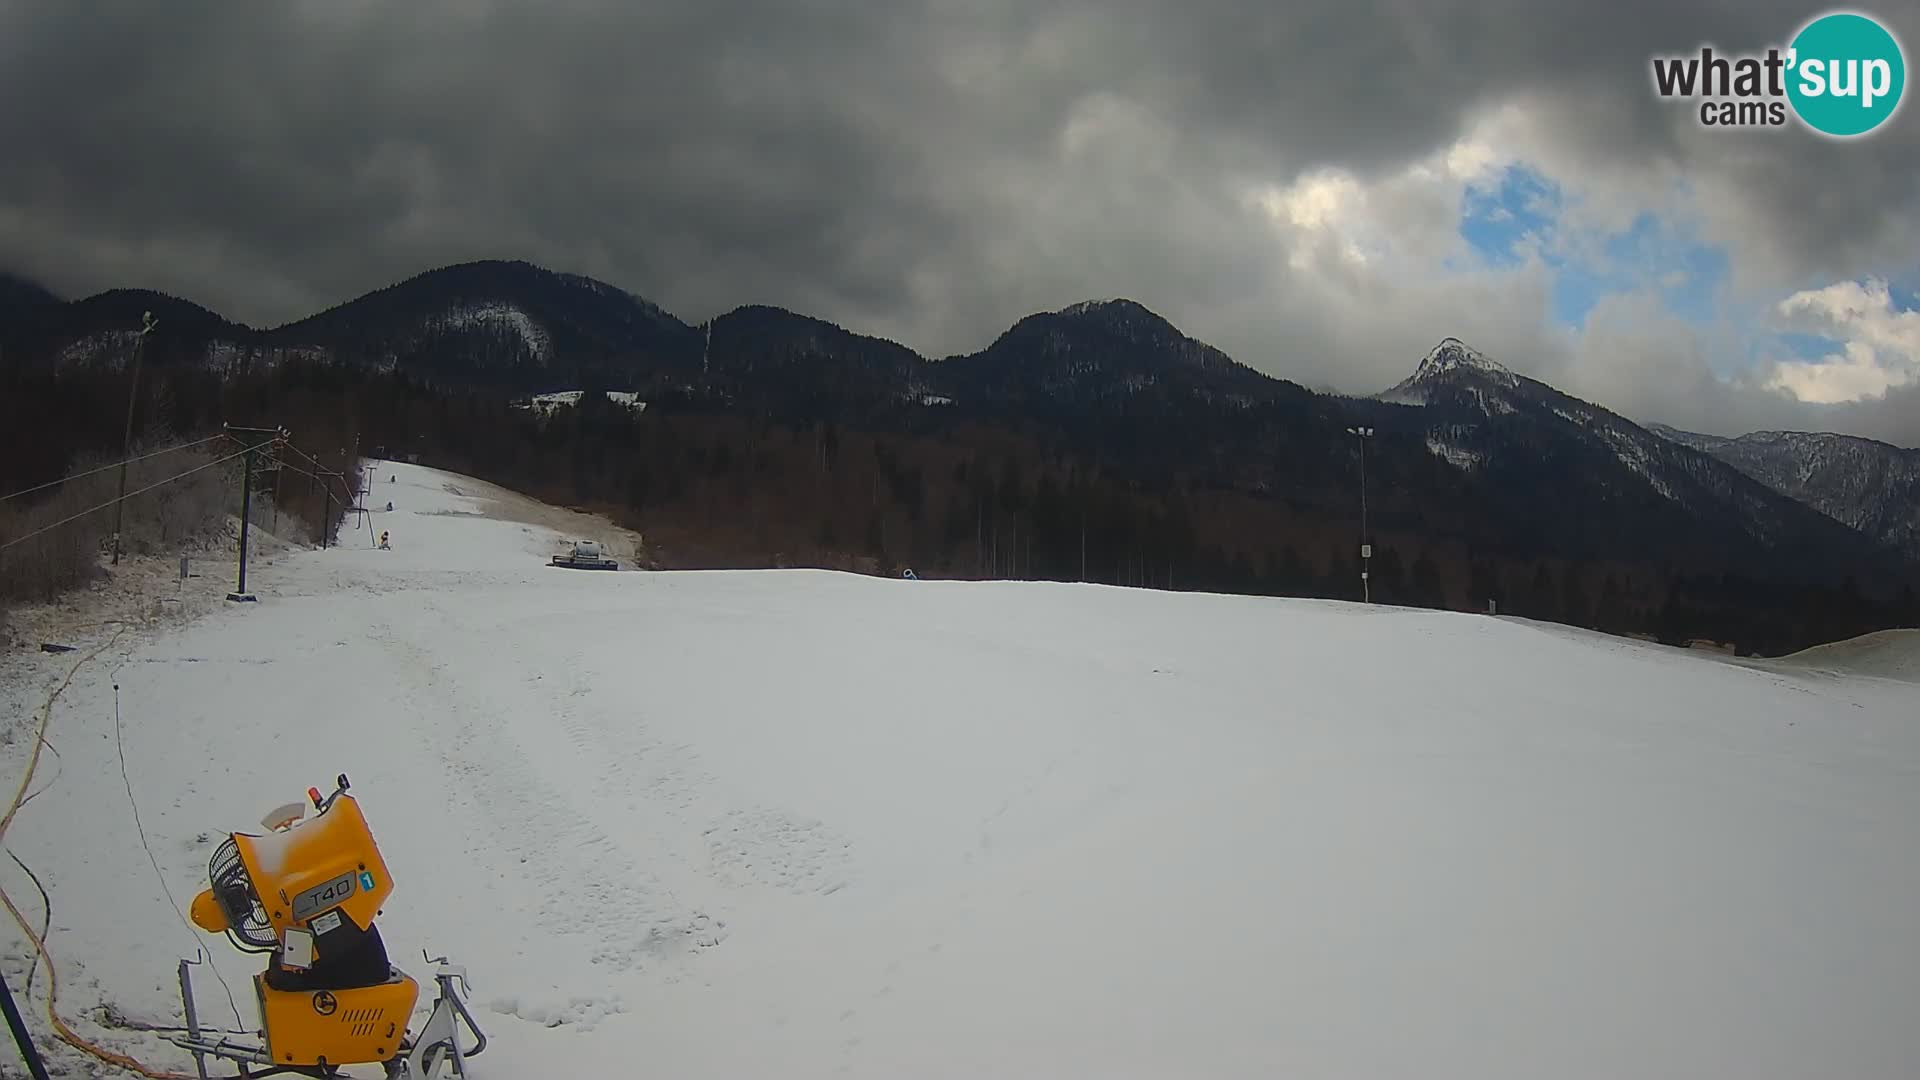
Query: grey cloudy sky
[(1285, 181)]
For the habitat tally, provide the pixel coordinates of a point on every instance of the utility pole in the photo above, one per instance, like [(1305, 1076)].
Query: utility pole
[(1366, 543), (326, 523), (249, 462), (311, 479), (147, 323), (359, 473)]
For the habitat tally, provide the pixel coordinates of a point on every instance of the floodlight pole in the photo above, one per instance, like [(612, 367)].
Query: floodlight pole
[(1366, 544)]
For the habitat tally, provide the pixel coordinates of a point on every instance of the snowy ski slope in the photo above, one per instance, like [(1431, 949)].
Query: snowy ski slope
[(794, 824)]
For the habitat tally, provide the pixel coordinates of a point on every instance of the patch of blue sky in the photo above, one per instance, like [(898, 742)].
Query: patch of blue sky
[(1520, 212), (1497, 219), (1905, 292), (1807, 346)]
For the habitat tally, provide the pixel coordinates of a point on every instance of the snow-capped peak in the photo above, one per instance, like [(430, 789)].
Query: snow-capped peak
[(1453, 354), (1094, 307), (1450, 356)]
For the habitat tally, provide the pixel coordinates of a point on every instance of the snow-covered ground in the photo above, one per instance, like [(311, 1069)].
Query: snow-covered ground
[(794, 824), (545, 404)]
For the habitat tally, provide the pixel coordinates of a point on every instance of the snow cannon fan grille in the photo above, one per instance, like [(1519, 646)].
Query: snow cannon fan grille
[(247, 922)]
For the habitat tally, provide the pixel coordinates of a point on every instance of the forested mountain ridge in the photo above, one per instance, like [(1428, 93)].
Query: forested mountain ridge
[(1098, 439)]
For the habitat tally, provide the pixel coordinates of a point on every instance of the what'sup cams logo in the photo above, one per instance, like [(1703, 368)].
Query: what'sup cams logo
[(1842, 75)]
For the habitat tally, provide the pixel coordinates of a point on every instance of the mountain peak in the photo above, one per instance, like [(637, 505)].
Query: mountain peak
[(1118, 305), (1452, 354), (1120, 318), (1119, 313), (1447, 360)]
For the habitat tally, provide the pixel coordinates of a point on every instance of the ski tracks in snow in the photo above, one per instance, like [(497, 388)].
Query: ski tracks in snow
[(663, 793), (548, 820), (777, 850)]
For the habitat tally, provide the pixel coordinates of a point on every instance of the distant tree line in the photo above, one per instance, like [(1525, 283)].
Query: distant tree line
[(711, 488), (709, 485)]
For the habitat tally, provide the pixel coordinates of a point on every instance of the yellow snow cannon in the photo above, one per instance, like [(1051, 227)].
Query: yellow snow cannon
[(306, 893)]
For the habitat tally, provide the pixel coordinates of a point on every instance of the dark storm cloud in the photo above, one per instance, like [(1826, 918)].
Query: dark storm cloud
[(343, 145), (1370, 84), (930, 169)]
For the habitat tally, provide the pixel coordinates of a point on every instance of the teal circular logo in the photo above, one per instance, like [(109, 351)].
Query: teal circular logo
[(1846, 75)]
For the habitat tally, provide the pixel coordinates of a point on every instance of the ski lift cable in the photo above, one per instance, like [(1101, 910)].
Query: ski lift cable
[(130, 494), (114, 465)]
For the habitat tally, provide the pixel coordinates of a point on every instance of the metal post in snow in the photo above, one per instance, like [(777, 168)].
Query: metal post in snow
[(246, 512), (21, 1037), (193, 1018), (248, 463)]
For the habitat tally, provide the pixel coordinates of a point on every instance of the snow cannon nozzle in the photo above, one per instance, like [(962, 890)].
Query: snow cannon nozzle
[(341, 786)]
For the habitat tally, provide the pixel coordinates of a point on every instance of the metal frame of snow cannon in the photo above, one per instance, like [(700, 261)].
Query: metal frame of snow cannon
[(439, 1042), (439, 1039), (575, 559)]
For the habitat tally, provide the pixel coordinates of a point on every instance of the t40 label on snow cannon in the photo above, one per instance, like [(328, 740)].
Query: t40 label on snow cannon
[(321, 897)]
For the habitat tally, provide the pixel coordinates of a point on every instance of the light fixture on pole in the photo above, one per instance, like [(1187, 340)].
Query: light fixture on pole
[(1366, 544)]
